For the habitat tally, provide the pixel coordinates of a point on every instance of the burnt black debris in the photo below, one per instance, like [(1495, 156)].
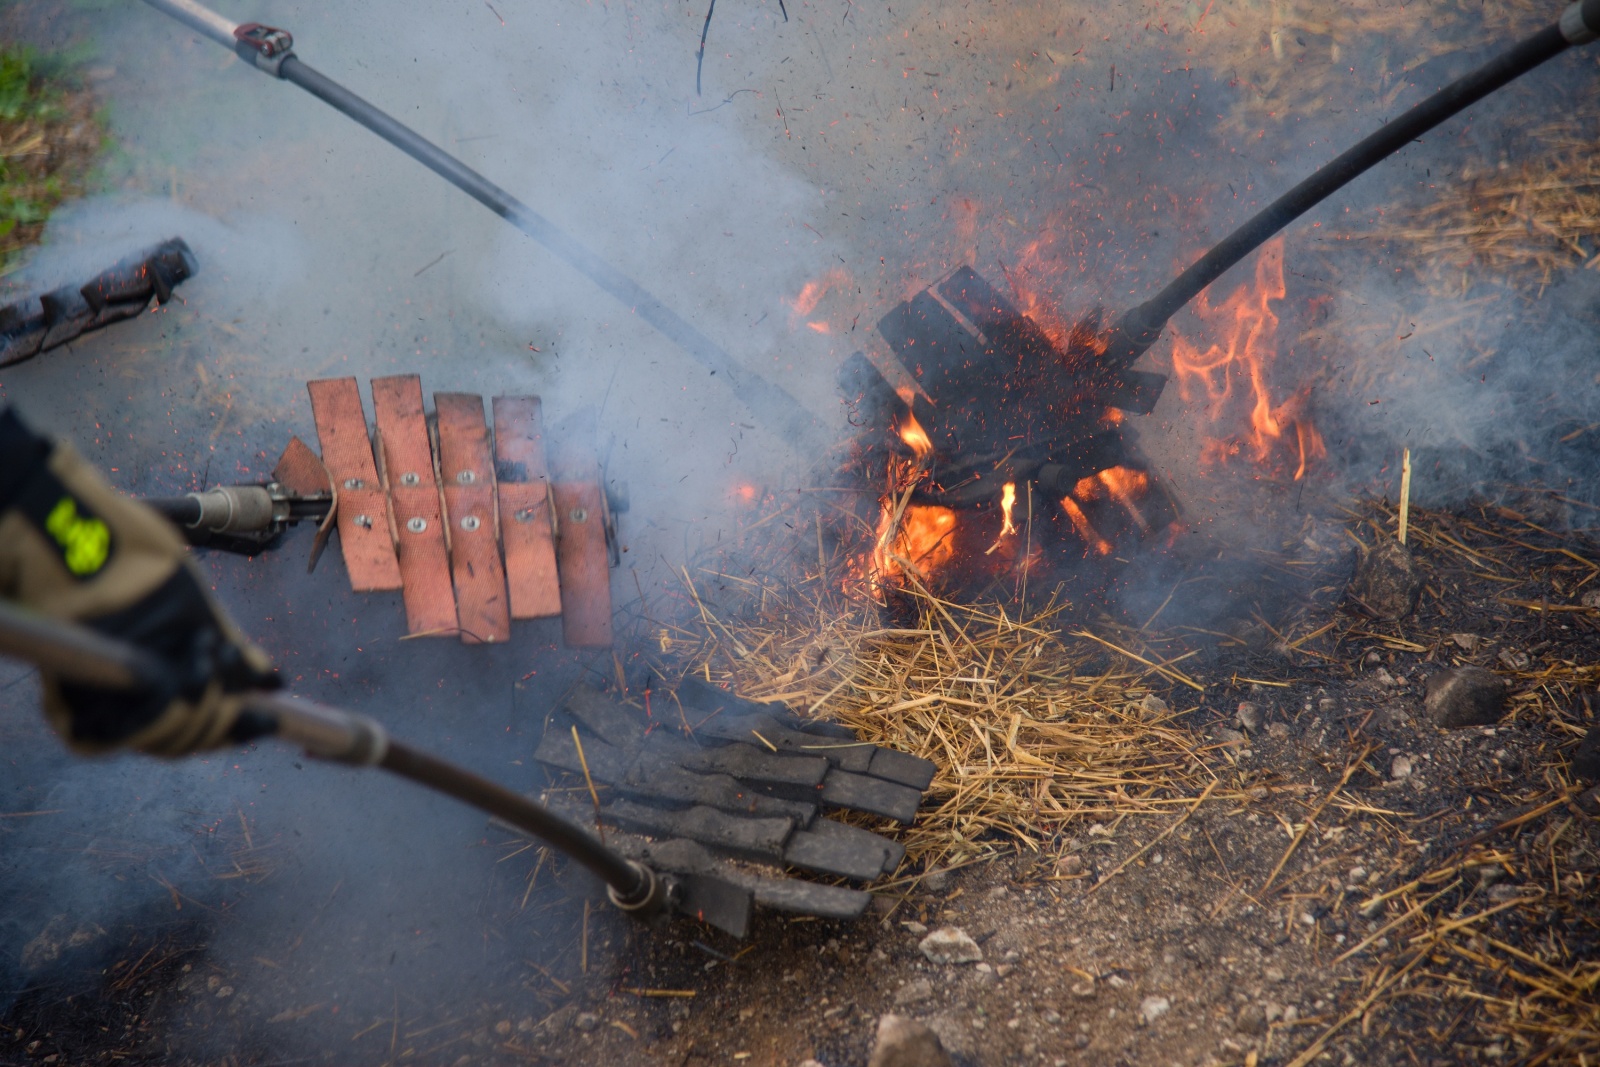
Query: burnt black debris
[(731, 783), (1386, 581), (38, 323)]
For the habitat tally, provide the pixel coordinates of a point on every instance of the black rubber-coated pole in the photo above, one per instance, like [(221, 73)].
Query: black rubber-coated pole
[(79, 654), (1142, 325), (178, 510), (630, 881)]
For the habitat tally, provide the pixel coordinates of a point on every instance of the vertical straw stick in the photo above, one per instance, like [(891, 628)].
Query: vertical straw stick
[(1405, 493)]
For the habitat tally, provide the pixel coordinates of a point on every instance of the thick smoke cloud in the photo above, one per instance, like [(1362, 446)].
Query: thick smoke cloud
[(890, 144)]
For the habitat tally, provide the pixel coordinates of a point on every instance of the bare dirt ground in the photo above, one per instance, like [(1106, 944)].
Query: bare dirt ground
[(1353, 884)]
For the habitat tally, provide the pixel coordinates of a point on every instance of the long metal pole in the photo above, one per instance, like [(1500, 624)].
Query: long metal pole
[(764, 398)]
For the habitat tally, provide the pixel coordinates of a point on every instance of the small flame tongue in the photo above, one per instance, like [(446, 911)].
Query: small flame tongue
[(1246, 328), (915, 437)]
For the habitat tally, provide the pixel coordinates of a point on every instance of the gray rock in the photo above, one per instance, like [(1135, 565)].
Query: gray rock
[(1230, 737), (1386, 580), (936, 881), (1591, 599), (1153, 1008), (1586, 761), (1278, 731), (1464, 696), (955, 1037), (914, 992), (950, 945), (1153, 706), (1589, 801), (1249, 716), (903, 1042), (586, 1022), (1400, 768)]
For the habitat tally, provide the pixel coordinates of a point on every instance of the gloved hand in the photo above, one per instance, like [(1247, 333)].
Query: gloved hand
[(71, 548)]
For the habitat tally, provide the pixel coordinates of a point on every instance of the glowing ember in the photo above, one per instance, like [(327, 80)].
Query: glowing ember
[(1080, 522), (811, 295), (1247, 330)]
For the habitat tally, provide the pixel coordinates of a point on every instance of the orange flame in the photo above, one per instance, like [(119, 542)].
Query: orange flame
[(1247, 330), (915, 437), (1008, 501), (811, 295), (921, 539)]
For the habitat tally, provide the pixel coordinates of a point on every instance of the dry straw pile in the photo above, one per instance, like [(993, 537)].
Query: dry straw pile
[(1034, 724)]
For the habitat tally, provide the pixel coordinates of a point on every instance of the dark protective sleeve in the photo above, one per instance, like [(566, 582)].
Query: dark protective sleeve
[(22, 453)]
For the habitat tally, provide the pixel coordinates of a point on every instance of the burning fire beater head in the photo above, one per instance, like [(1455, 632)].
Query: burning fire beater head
[(994, 401)]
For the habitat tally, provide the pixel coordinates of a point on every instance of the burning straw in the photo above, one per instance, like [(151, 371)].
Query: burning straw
[(1033, 729)]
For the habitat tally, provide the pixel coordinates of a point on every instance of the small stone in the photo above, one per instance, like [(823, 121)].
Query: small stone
[(1248, 716), (1002, 969), (1153, 1008), (1230, 737), (1586, 760), (1504, 892), (1589, 801), (950, 945), (1278, 731), (984, 968), (503, 1027), (1400, 768), (903, 1042), (586, 1022), (1153, 706), (1513, 659), (1386, 580), (1591, 599), (914, 992), (1070, 864), (1464, 696), (1356, 873), (914, 928), (1083, 990), (999, 892), (1273, 974), (1466, 642), (1384, 678), (1050, 1017), (810, 1063), (936, 881), (225, 991), (1252, 1019)]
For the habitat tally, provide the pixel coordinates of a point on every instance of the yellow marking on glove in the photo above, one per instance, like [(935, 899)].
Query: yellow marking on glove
[(85, 543)]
